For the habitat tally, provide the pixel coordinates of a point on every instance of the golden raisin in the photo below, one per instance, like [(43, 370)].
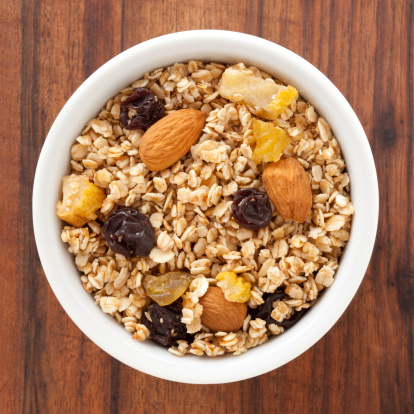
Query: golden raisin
[(270, 141), (167, 288), (235, 288)]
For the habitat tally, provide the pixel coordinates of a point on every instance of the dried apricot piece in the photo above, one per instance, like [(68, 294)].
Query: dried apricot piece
[(281, 101), (243, 87), (270, 141), (81, 199), (167, 288), (235, 288)]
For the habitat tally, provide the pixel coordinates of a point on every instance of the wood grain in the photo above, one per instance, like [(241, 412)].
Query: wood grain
[(365, 363)]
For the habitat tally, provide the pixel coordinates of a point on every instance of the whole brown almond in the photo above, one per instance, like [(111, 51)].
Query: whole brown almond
[(287, 185), (219, 314), (170, 138)]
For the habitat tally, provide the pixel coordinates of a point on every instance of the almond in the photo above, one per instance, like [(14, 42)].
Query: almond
[(287, 185), (220, 315), (170, 138)]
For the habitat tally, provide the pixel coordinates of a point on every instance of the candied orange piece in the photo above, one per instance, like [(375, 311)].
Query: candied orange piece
[(282, 100), (242, 87), (270, 141), (81, 199), (235, 288)]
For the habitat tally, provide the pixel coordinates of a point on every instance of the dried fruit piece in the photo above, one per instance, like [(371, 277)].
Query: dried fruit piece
[(289, 188), (167, 288), (282, 100), (270, 141), (264, 311), (235, 288), (148, 110), (81, 199), (220, 315), (251, 209), (165, 324), (242, 87), (129, 232), (171, 138), (287, 323)]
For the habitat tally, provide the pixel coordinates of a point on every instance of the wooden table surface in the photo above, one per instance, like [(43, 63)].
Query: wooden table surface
[(365, 363)]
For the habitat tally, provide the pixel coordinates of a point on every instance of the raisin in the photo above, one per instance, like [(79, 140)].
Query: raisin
[(287, 323), (129, 232), (167, 288), (148, 110), (164, 324), (265, 310), (251, 209)]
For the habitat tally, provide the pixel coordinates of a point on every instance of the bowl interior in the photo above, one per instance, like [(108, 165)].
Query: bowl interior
[(121, 71)]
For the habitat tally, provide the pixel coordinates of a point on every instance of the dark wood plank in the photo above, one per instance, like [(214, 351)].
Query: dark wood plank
[(365, 363), (63, 369), (11, 326), (392, 270)]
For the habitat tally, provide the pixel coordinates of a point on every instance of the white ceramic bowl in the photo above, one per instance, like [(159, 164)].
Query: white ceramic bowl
[(121, 71)]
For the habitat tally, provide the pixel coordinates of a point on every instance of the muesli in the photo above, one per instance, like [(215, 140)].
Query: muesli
[(208, 206)]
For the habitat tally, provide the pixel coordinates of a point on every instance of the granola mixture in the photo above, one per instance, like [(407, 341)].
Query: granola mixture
[(189, 208)]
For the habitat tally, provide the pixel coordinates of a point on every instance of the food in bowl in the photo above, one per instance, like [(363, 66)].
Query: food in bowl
[(208, 206)]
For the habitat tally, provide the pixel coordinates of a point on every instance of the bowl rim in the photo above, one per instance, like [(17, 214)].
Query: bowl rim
[(147, 357)]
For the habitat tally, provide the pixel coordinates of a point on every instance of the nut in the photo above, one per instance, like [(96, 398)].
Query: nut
[(220, 315), (170, 138), (289, 189)]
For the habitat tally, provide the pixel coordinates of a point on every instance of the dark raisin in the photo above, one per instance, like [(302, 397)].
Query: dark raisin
[(129, 232), (148, 110), (165, 325), (287, 323), (264, 311), (251, 209)]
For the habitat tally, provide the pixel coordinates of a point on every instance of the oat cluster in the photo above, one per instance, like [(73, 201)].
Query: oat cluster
[(189, 206)]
